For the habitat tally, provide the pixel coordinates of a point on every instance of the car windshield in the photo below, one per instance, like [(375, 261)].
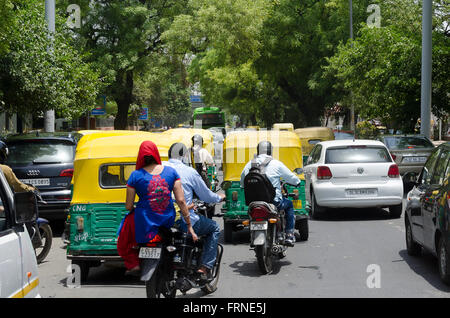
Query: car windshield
[(357, 154), (404, 142), (40, 151)]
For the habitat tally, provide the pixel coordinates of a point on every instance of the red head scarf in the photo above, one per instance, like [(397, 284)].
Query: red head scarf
[(147, 148)]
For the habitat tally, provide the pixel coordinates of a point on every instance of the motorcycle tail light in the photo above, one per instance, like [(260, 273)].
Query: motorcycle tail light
[(393, 171), (324, 173), (259, 212)]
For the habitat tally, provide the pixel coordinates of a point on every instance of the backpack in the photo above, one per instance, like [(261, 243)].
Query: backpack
[(257, 187)]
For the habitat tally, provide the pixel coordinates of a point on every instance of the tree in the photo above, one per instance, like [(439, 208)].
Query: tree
[(123, 37), (382, 68), (35, 78)]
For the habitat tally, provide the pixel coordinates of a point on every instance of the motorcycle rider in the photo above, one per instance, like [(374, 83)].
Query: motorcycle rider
[(193, 185), (275, 170)]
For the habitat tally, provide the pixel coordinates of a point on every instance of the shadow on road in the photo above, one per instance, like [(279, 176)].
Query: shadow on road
[(250, 268), (347, 214), (427, 267)]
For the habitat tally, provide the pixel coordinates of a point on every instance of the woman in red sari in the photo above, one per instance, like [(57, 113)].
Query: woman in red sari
[(154, 184)]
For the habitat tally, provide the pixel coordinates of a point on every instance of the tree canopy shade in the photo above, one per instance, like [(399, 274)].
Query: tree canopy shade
[(123, 38), (383, 67), (35, 78)]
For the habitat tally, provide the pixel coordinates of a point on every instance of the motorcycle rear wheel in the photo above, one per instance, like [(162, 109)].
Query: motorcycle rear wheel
[(157, 286), (211, 287), (47, 236), (264, 257)]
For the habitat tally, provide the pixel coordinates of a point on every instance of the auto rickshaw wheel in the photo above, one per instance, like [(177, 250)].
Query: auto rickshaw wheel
[(303, 229), (228, 232), (83, 269)]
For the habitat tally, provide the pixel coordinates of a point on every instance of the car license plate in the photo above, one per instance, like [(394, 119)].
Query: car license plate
[(258, 226), (361, 192), (297, 204), (414, 159), (37, 182), (150, 252)]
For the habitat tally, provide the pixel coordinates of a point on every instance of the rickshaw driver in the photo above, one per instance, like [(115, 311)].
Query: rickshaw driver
[(275, 170), (192, 183), (201, 157)]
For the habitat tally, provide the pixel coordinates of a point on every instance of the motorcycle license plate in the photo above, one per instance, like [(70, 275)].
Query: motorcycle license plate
[(150, 252), (258, 226)]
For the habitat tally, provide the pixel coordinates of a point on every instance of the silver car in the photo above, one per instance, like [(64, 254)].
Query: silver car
[(409, 152), (352, 174)]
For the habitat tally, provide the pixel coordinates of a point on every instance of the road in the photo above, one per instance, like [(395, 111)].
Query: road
[(350, 253)]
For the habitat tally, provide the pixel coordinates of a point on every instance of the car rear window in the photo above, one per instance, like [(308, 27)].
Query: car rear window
[(407, 142), (356, 154), (40, 151)]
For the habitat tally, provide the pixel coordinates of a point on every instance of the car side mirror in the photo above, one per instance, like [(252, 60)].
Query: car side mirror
[(25, 207)]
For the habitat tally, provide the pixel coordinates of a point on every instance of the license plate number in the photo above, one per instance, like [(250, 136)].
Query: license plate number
[(150, 252), (414, 159), (361, 192), (37, 182), (258, 226)]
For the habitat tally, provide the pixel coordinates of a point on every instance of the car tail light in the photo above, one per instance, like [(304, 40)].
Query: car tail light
[(259, 212), (66, 173), (393, 171), (324, 173)]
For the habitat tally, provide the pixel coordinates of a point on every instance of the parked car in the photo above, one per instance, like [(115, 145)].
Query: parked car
[(410, 152), (45, 160), (352, 174), (427, 212)]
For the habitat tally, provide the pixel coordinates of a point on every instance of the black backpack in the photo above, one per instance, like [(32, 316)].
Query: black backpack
[(257, 187)]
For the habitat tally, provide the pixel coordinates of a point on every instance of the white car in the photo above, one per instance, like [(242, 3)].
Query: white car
[(352, 174)]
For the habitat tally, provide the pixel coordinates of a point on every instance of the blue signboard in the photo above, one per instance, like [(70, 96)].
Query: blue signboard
[(144, 113), (101, 109), (196, 99)]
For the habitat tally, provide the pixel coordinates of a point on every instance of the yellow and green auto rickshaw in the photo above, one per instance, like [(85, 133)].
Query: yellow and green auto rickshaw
[(283, 126), (102, 166), (239, 148), (310, 136)]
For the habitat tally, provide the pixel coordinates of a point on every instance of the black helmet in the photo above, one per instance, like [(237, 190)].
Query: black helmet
[(197, 140), (3, 152), (177, 150), (264, 148)]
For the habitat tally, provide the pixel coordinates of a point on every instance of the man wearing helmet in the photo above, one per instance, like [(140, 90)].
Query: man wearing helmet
[(193, 185), (275, 170), (201, 157)]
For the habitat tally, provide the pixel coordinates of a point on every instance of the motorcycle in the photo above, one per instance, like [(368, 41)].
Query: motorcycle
[(206, 209), (170, 263), (41, 234), (267, 233)]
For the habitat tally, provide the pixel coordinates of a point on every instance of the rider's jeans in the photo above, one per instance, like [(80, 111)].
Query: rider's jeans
[(288, 208), (211, 230)]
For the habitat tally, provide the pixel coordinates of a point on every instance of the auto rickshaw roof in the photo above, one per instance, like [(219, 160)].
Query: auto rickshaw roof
[(250, 139), (126, 145)]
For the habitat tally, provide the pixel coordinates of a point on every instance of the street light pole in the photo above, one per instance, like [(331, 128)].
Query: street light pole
[(49, 115), (425, 98), (352, 107)]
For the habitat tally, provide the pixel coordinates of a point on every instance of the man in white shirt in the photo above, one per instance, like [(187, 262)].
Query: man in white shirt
[(201, 157), (275, 170)]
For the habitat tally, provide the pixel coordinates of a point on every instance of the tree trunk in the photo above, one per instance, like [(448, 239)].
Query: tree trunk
[(123, 98)]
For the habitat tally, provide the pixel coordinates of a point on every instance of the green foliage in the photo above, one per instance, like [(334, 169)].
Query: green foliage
[(381, 69), (38, 73), (366, 130)]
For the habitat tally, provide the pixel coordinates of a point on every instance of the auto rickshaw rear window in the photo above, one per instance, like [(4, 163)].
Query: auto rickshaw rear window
[(115, 175)]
